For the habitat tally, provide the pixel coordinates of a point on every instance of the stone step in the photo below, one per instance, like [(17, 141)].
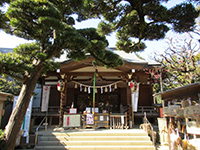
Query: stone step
[(111, 133), (94, 138), (95, 148), (95, 143)]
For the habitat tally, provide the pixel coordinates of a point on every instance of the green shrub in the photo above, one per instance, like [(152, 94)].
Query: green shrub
[(2, 140)]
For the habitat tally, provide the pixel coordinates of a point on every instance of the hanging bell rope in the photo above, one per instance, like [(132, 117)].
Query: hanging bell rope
[(94, 92)]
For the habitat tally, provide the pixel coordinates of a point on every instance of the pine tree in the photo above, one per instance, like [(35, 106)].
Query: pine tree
[(135, 21), (50, 25)]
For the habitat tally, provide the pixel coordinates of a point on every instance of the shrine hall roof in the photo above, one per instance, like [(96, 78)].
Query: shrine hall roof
[(127, 57)]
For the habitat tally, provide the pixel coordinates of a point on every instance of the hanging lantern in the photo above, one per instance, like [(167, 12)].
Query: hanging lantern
[(133, 86), (60, 85)]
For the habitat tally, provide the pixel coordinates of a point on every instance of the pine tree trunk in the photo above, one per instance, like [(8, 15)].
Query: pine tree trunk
[(18, 113)]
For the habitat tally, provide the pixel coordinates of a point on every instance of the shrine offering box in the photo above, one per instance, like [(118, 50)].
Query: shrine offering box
[(72, 120)]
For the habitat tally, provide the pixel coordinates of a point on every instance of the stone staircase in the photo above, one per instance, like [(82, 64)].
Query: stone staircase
[(133, 139)]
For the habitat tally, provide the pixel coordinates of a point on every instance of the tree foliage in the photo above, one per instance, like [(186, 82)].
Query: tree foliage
[(196, 28), (137, 21), (10, 85), (22, 61), (50, 25), (181, 62), (3, 18), (2, 140)]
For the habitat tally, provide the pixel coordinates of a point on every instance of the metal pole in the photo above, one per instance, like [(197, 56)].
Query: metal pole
[(46, 121)]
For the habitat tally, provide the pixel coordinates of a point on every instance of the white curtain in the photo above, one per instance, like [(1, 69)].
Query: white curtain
[(27, 118), (135, 97), (45, 98)]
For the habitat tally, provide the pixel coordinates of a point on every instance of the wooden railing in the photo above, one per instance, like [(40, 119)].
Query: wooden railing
[(151, 131), (50, 109), (36, 131), (141, 109), (118, 121), (149, 110)]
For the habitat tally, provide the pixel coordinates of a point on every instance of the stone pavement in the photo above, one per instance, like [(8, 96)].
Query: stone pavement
[(162, 147), (91, 139)]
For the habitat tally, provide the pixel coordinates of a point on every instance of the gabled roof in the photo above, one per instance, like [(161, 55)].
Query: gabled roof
[(3, 95), (84, 70), (190, 90), (132, 57), (127, 57)]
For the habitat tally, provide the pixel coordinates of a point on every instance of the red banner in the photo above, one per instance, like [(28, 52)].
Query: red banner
[(67, 121)]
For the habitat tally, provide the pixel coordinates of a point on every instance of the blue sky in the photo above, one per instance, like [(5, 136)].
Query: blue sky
[(9, 41)]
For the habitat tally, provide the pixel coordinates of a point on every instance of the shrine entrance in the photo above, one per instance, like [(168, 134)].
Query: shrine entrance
[(109, 101), (81, 77)]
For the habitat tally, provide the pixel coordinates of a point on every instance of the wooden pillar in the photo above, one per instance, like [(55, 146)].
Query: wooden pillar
[(50, 120), (129, 102), (62, 103), (169, 132), (132, 117)]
